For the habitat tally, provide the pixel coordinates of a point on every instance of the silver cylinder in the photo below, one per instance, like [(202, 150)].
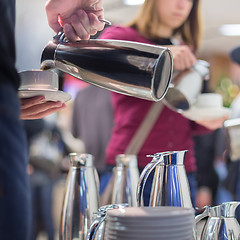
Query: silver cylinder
[(81, 198), (126, 176)]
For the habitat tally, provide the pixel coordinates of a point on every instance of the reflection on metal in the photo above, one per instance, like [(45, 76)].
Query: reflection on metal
[(170, 185)]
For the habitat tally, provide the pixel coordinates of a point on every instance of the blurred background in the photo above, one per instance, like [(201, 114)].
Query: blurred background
[(221, 33)]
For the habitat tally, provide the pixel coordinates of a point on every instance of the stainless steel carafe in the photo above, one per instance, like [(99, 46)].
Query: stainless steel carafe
[(81, 199), (170, 185), (131, 68), (221, 223), (125, 179)]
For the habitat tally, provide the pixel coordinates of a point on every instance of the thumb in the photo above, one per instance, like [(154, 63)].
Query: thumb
[(54, 22)]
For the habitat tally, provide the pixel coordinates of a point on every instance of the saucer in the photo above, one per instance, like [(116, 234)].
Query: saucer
[(50, 95), (196, 113)]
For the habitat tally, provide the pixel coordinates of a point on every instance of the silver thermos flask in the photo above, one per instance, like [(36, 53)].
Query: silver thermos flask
[(125, 180), (81, 199)]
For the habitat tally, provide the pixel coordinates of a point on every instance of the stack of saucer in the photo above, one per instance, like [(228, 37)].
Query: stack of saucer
[(152, 223)]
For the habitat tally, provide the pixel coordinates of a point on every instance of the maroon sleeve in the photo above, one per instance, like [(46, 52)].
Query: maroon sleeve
[(198, 129), (114, 32), (123, 33)]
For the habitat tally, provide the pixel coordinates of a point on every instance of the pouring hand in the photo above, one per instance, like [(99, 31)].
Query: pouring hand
[(183, 57), (77, 14), (81, 25), (213, 124), (37, 107)]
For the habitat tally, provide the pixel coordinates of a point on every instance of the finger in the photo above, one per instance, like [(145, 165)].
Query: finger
[(189, 57), (191, 60), (52, 17), (36, 109), (184, 56), (70, 33), (187, 63), (54, 24), (81, 25), (178, 63), (96, 25), (44, 113), (84, 19), (28, 102)]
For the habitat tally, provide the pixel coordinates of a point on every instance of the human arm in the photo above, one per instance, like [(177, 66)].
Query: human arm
[(37, 107), (200, 127), (79, 18), (213, 124)]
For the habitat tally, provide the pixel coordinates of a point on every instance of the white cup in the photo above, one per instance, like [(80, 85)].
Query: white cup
[(38, 80), (209, 100)]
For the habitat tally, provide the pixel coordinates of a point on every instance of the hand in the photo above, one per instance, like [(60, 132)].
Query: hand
[(183, 57), (213, 124), (77, 17), (81, 25), (37, 107)]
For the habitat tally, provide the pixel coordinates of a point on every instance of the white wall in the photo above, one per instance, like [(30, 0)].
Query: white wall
[(32, 33)]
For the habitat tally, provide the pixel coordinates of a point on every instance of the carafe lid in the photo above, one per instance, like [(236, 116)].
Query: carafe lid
[(126, 160), (174, 157), (215, 211), (80, 160)]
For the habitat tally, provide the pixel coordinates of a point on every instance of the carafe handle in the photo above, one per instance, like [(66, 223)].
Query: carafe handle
[(142, 181), (60, 36), (95, 226), (101, 216), (202, 215), (145, 174)]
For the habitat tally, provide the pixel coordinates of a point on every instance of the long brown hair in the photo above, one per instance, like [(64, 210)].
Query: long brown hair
[(147, 23)]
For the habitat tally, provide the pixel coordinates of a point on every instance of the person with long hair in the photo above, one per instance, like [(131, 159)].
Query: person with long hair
[(175, 24)]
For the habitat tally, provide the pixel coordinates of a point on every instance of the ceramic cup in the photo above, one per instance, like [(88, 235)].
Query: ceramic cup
[(38, 80)]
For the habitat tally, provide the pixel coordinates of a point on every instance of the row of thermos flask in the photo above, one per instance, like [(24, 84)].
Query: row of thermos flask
[(82, 199), (163, 182)]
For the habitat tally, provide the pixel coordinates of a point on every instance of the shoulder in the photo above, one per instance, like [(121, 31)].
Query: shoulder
[(120, 33)]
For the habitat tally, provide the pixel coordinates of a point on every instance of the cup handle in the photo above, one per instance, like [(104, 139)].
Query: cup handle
[(95, 226), (101, 216)]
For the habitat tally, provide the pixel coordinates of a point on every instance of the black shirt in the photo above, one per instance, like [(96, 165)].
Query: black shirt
[(162, 41)]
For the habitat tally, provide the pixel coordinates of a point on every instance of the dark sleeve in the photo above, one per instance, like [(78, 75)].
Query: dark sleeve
[(8, 72), (220, 143), (33, 127)]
